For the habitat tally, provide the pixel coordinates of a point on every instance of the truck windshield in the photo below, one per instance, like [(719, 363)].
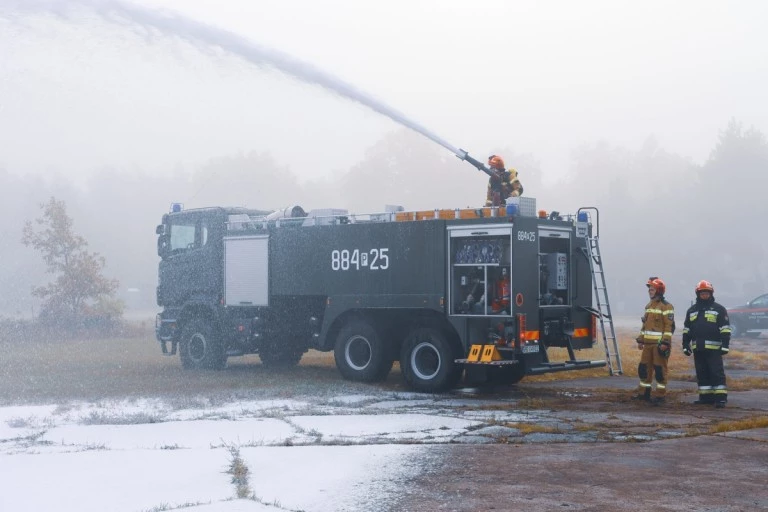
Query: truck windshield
[(182, 237)]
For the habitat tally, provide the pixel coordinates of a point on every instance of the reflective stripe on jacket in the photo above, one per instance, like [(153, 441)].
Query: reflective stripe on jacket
[(658, 322), (707, 326)]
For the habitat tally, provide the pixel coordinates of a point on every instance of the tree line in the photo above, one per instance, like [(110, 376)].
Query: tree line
[(660, 213)]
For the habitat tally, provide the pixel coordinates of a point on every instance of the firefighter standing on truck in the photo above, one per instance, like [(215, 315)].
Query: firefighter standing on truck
[(655, 340), (502, 183), (707, 334)]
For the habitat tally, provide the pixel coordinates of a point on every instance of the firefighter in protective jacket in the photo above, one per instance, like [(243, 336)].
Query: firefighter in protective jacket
[(655, 340), (707, 334), (502, 184)]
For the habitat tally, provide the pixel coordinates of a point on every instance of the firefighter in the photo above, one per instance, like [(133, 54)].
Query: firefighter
[(655, 340), (502, 184), (707, 334)]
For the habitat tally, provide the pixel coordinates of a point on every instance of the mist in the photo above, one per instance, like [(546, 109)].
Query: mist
[(120, 118)]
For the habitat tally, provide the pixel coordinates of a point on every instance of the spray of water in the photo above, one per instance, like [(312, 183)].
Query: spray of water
[(196, 33)]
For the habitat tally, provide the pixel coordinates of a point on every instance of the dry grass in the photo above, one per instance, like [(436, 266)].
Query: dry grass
[(38, 371), (529, 428), (738, 359), (742, 424), (747, 383), (630, 358), (55, 370), (680, 366), (240, 473)]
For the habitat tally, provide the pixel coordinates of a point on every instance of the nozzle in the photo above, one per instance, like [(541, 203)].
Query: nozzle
[(478, 165)]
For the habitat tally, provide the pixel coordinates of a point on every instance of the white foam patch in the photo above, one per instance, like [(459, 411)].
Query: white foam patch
[(176, 434), (386, 426)]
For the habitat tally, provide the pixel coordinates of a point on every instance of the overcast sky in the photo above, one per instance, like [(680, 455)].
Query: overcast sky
[(541, 77)]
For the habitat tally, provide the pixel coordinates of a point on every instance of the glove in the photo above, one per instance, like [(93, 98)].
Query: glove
[(723, 351), (664, 350), (687, 349)]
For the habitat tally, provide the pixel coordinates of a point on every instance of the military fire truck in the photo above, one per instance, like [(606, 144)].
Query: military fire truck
[(486, 290)]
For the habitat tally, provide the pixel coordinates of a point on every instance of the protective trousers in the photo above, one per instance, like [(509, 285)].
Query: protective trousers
[(710, 375), (652, 364)]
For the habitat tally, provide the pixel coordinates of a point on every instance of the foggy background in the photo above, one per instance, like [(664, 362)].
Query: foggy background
[(654, 113)]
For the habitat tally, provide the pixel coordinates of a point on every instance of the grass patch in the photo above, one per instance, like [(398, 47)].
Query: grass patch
[(240, 473), (165, 506), (530, 428), (740, 360), (743, 424), (680, 367), (531, 403), (747, 383), (139, 418), (275, 504)]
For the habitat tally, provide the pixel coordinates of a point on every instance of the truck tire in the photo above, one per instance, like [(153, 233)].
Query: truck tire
[(427, 361), (360, 353), (280, 356), (199, 348)]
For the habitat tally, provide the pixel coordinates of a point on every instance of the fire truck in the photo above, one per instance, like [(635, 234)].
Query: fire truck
[(482, 293)]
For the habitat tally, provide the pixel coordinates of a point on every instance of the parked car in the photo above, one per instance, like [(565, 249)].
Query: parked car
[(749, 319)]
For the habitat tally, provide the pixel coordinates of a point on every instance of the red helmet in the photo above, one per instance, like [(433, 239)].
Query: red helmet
[(704, 286), (657, 284), (495, 162)]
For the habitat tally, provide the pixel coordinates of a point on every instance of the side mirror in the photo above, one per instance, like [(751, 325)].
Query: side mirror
[(160, 229), (162, 245)]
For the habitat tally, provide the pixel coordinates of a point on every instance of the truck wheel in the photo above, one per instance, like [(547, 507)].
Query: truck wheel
[(199, 348), (280, 357), (427, 361), (737, 331), (360, 353)]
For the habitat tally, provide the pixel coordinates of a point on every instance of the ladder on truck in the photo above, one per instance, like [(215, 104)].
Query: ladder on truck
[(603, 310)]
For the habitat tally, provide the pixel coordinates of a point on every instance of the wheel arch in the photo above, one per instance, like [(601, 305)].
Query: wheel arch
[(196, 310)]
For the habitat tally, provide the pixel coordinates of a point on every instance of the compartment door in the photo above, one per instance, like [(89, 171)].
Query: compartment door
[(246, 271)]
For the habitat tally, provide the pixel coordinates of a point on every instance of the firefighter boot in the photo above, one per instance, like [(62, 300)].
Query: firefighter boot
[(720, 404), (658, 400), (646, 395)]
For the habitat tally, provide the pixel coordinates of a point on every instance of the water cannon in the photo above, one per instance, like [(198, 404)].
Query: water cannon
[(290, 212), (463, 155)]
